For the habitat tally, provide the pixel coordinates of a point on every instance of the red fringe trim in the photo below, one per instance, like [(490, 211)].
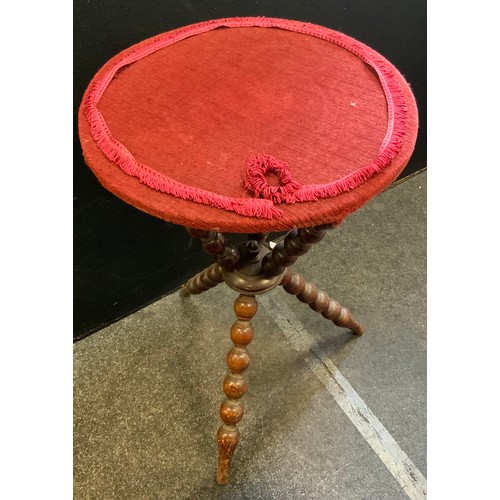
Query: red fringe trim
[(290, 191)]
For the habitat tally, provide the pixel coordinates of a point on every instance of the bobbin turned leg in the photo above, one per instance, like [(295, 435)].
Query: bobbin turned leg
[(297, 242), (227, 256), (295, 284), (208, 278), (235, 385)]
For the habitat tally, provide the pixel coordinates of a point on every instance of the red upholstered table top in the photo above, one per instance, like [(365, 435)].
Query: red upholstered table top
[(235, 129)]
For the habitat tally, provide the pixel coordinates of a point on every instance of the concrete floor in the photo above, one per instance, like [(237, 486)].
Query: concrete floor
[(327, 415)]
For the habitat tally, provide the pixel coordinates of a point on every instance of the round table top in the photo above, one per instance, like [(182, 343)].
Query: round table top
[(248, 125)]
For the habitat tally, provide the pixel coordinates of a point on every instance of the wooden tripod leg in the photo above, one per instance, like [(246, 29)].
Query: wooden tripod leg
[(295, 284), (297, 242), (203, 281), (227, 256), (235, 385)]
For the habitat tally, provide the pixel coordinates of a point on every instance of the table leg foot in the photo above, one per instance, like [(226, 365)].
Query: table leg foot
[(227, 440), (295, 284)]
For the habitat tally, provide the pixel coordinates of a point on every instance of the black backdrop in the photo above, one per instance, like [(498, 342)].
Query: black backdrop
[(125, 259)]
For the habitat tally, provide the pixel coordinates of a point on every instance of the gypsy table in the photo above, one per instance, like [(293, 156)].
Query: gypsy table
[(249, 125)]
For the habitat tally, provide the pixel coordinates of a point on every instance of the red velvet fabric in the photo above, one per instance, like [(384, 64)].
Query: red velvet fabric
[(197, 110)]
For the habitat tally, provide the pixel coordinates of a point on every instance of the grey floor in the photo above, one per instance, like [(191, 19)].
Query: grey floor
[(327, 415)]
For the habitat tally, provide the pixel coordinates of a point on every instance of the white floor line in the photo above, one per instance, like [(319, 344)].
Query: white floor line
[(394, 458)]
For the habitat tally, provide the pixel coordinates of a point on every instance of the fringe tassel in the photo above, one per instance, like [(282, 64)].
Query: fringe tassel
[(257, 168), (289, 191)]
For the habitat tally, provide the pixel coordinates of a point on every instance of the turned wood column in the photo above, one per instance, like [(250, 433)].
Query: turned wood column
[(235, 384)]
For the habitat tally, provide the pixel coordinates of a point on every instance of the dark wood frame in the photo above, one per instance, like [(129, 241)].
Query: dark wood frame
[(251, 269)]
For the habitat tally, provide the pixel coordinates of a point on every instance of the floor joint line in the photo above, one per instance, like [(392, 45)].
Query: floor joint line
[(369, 426)]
